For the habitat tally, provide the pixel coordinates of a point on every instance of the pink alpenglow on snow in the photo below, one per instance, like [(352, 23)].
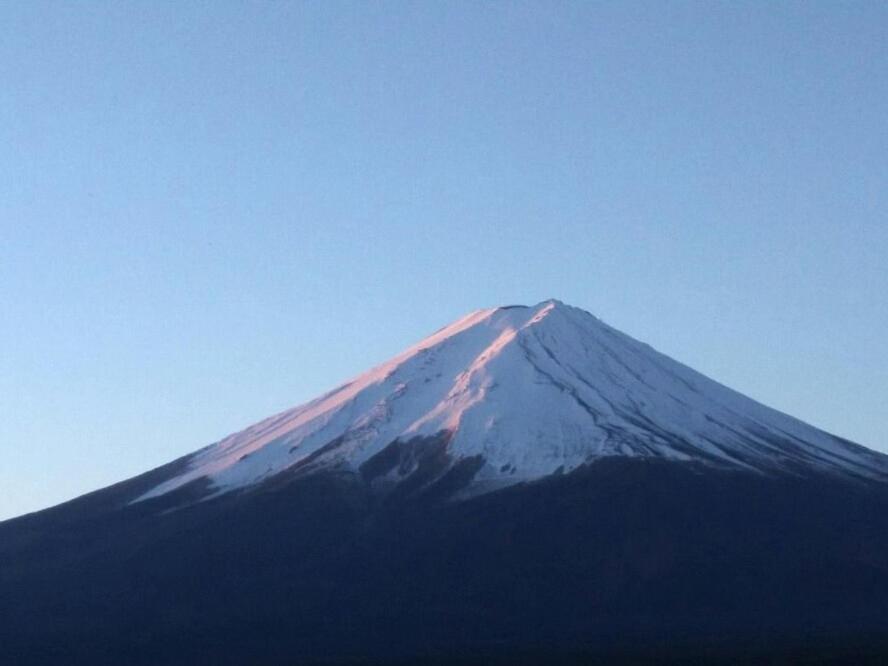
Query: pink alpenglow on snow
[(528, 391)]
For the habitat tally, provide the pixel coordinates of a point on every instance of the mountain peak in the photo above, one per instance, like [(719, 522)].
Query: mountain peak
[(517, 393), (547, 305)]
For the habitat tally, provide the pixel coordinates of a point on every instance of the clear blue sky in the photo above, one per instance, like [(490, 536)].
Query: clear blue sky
[(213, 211)]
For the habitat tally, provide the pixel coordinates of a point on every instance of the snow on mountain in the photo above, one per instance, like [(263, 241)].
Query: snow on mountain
[(527, 392)]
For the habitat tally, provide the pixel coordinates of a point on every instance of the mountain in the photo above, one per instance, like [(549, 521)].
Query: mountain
[(526, 484), (515, 394)]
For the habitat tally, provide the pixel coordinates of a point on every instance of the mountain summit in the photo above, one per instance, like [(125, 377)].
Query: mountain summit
[(514, 394)]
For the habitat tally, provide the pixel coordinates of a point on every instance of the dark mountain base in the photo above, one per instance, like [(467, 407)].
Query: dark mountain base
[(627, 560)]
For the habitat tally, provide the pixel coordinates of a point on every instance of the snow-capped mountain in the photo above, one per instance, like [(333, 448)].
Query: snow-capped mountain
[(614, 506), (518, 393)]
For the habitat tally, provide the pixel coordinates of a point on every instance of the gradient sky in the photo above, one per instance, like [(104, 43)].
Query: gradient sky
[(213, 211)]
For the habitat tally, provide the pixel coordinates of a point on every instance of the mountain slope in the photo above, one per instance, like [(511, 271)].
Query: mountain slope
[(522, 392), (627, 560)]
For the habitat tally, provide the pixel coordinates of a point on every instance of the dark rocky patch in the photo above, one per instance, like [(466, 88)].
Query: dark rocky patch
[(383, 462), (415, 462), (332, 445)]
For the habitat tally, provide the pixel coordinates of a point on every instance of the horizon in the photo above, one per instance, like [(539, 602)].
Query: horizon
[(211, 214)]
